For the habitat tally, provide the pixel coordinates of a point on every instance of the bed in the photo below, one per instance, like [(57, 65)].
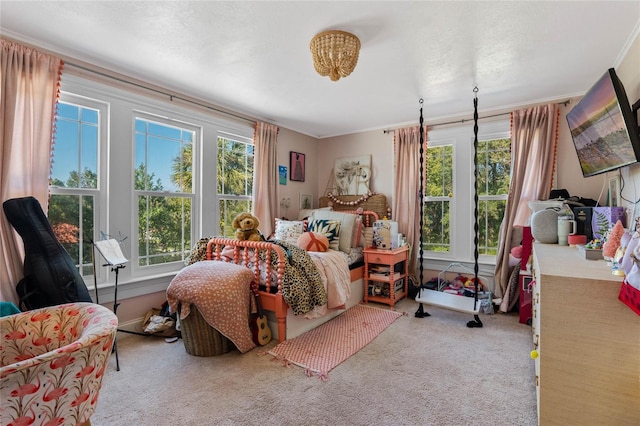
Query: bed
[(269, 261)]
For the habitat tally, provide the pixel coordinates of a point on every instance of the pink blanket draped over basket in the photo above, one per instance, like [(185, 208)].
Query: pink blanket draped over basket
[(222, 293)]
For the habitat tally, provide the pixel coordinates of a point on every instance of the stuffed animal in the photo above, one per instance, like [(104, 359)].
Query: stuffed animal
[(246, 226)]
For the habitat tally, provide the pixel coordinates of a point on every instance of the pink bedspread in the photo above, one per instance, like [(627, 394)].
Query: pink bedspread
[(334, 271), (222, 293)]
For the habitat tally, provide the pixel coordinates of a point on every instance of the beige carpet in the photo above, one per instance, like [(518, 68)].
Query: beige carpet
[(419, 371)]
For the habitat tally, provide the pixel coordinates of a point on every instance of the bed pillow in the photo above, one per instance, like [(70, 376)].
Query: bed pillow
[(347, 223), (306, 213), (313, 241), (289, 230), (330, 229), (357, 232), (367, 237)]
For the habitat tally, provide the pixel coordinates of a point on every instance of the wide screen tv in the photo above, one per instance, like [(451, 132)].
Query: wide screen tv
[(603, 127)]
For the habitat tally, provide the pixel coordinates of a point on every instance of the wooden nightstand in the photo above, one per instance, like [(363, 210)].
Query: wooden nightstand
[(386, 275)]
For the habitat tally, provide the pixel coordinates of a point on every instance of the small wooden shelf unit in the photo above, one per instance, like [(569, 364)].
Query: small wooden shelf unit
[(385, 275)]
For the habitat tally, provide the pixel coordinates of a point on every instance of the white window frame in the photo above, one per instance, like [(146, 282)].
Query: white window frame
[(100, 216), (503, 197), (450, 200), (231, 197), (462, 201), (193, 196), (120, 202)]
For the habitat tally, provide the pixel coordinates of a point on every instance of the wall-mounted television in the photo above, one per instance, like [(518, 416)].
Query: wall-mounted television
[(603, 127)]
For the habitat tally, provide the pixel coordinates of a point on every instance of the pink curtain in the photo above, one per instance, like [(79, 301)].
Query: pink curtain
[(534, 140), (30, 88), (265, 176), (406, 207)]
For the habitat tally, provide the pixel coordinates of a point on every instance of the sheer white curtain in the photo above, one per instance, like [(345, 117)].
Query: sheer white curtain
[(30, 87), (406, 207), (265, 176), (534, 139)]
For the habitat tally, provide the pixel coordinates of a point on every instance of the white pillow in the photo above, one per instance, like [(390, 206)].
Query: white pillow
[(367, 237), (305, 213), (347, 222), (289, 230)]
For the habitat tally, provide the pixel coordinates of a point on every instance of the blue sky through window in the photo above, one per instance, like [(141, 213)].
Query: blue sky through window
[(76, 145), (158, 146), (75, 141)]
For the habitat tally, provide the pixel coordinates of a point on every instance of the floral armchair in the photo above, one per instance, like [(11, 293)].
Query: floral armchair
[(52, 362)]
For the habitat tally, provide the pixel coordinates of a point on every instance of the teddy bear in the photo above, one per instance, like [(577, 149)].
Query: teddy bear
[(246, 226)]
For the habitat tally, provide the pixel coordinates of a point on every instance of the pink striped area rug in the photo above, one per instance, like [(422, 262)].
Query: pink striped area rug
[(320, 350)]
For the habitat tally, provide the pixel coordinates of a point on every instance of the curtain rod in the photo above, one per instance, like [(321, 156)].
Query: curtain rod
[(171, 97), (462, 121)]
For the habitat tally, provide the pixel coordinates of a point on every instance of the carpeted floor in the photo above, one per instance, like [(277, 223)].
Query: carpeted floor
[(419, 371)]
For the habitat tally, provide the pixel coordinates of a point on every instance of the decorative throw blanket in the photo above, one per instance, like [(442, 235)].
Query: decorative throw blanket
[(222, 293), (302, 288), (334, 270)]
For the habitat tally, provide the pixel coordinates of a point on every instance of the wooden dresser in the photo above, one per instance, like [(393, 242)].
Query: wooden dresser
[(588, 342)]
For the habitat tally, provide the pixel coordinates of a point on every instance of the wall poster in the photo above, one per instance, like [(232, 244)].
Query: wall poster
[(352, 175), (296, 165)]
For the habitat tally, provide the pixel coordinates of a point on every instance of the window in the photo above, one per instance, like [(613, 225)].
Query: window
[(438, 193), (163, 183), (494, 169), (76, 177), (144, 171), (235, 181), (448, 231)]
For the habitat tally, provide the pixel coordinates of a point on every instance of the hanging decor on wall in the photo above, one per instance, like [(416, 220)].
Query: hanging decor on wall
[(336, 200), (306, 201), (282, 175), (296, 166), (352, 175)]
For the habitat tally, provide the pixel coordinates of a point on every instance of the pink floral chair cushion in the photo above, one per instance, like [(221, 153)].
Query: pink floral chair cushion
[(52, 363)]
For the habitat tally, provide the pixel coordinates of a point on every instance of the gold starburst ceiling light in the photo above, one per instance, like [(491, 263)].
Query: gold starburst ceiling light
[(335, 53)]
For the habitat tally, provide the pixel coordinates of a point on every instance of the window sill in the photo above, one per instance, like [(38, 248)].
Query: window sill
[(486, 267), (133, 288)]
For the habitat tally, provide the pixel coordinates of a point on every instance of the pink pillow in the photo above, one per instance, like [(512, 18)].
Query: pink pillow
[(313, 241), (517, 252)]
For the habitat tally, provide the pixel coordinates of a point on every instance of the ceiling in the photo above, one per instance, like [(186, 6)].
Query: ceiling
[(253, 57)]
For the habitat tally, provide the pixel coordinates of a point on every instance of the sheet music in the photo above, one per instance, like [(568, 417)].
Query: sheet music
[(110, 250)]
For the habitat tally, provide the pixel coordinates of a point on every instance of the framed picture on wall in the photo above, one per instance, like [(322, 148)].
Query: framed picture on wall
[(306, 201), (282, 175), (296, 166), (352, 175)]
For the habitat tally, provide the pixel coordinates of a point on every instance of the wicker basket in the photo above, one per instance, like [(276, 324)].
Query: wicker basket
[(200, 339)]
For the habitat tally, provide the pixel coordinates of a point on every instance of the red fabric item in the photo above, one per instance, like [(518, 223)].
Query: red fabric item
[(630, 296), (516, 252)]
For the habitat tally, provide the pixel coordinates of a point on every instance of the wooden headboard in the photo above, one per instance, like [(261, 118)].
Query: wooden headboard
[(376, 203)]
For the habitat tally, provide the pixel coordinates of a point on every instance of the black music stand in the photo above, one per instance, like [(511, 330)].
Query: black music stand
[(112, 254)]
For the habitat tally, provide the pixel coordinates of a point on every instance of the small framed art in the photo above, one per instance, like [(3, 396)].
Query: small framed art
[(296, 166), (306, 201), (282, 175)]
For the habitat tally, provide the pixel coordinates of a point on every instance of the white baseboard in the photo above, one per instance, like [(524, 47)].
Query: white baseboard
[(134, 326)]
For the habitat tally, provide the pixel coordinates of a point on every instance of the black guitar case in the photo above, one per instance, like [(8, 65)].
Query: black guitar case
[(50, 275)]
